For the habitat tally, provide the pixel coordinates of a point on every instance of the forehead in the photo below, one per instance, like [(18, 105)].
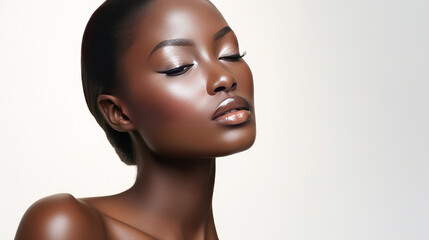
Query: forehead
[(169, 19)]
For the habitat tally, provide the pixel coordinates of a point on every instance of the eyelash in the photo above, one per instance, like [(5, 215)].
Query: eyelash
[(183, 69), (234, 57), (178, 70)]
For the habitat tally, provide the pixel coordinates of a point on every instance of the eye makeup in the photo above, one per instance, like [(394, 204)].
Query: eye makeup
[(176, 61), (177, 70), (233, 57), (173, 61), (181, 69)]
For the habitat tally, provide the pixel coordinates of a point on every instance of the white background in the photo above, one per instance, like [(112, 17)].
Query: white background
[(342, 97)]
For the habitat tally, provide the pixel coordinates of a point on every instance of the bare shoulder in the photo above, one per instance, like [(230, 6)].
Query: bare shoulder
[(62, 217)]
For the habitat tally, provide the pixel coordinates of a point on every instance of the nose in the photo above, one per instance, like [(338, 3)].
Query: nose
[(220, 79)]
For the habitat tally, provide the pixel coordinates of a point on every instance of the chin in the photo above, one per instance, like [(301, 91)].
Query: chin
[(195, 143), (237, 141)]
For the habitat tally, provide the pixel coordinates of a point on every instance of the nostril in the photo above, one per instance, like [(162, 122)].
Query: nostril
[(222, 88), (219, 89)]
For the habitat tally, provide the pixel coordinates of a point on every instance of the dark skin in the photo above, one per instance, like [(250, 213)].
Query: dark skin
[(166, 102)]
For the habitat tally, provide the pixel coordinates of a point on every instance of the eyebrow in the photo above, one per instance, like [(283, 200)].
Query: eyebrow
[(173, 42), (222, 33), (187, 42)]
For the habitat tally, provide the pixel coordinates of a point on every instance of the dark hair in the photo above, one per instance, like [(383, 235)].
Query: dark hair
[(107, 35)]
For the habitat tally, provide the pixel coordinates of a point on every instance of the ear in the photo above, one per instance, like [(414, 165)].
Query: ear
[(115, 113)]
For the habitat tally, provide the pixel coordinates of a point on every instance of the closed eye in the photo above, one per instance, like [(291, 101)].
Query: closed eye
[(177, 71), (233, 58)]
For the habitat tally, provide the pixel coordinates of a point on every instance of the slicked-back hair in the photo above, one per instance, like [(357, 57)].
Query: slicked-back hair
[(107, 36)]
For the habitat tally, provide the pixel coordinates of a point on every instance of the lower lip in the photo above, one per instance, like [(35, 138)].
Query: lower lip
[(234, 118)]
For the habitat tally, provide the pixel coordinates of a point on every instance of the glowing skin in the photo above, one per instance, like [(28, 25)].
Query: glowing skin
[(185, 99), (172, 114)]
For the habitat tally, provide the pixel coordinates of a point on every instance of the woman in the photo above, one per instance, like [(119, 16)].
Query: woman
[(166, 81)]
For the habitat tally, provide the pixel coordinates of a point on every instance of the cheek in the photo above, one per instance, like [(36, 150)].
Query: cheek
[(162, 101), (171, 112), (173, 115)]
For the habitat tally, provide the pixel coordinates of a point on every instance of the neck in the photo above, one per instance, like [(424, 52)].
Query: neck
[(175, 195)]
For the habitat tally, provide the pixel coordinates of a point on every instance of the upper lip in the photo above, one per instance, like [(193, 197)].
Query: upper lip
[(232, 103)]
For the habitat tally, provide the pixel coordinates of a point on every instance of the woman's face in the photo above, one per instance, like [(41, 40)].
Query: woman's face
[(182, 71)]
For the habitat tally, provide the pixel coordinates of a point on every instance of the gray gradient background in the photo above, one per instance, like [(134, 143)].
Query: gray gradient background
[(341, 92)]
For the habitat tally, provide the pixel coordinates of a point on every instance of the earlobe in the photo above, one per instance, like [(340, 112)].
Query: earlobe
[(115, 113)]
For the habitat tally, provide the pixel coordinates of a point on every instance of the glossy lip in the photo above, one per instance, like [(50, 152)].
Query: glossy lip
[(233, 103)]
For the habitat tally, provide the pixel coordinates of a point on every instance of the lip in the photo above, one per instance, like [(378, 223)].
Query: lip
[(232, 111)]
